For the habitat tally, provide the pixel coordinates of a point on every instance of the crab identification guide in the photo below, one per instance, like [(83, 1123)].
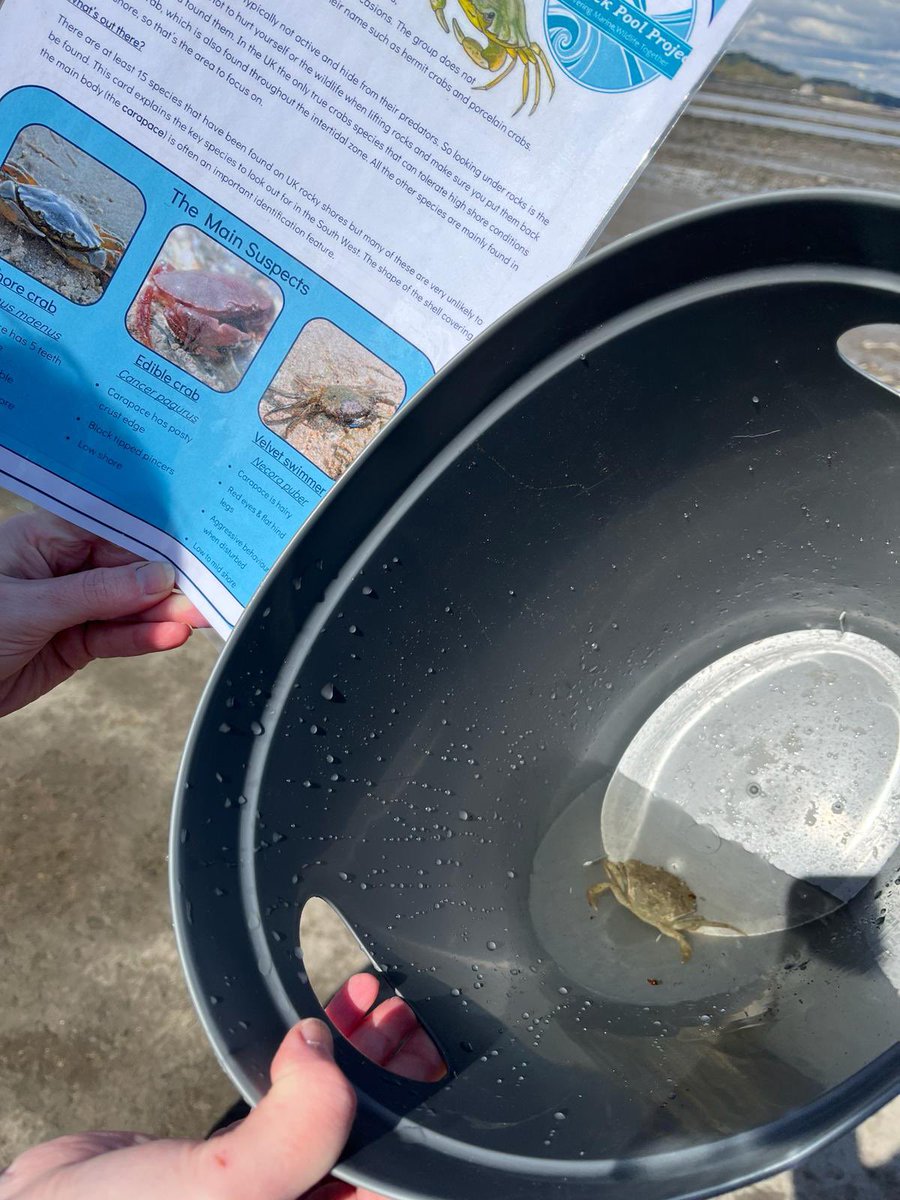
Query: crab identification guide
[(237, 236)]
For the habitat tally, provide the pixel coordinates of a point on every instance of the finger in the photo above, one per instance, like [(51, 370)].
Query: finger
[(226, 1129), (336, 1189), (332, 1189), (176, 607), (292, 1139), (51, 605), (351, 1002), (41, 1160), (384, 1031), (40, 544), (418, 1058), (113, 640)]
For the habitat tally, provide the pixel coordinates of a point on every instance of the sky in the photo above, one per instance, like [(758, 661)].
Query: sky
[(855, 40)]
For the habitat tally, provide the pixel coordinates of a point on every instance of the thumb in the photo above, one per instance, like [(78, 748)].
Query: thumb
[(101, 594), (294, 1136)]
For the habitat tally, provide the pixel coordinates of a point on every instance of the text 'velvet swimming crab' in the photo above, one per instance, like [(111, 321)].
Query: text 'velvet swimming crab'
[(504, 24), (209, 313), (345, 407), (46, 214), (657, 897)]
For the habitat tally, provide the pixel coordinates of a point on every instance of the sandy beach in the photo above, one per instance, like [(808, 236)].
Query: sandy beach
[(710, 158)]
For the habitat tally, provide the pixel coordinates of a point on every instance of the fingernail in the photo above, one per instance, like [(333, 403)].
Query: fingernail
[(156, 577), (317, 1036)]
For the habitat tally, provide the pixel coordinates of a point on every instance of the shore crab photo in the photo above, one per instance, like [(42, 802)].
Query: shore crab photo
[(65, 218), (330, 397), (204, 309)]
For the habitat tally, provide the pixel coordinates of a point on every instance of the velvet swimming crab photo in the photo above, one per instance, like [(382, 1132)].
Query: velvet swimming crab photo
[(330, 397), (507, 44), (204, 309), (65, 218)]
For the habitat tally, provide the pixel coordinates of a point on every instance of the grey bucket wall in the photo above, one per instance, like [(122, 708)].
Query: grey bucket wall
[(522, 523)]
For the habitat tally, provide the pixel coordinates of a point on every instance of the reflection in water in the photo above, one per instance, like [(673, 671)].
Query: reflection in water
[(778, 763), (874, 351)]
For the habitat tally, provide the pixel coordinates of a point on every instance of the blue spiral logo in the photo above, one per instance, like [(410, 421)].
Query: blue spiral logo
[(620, 48)]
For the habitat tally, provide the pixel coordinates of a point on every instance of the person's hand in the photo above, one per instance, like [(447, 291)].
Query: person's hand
[(283, 1149), (389, 1033), (67, 597)]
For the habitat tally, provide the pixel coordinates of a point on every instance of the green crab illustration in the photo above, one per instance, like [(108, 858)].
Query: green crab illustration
[(504, 24)]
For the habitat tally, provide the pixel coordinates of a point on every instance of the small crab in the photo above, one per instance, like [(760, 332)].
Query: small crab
[(657, 897), (58, 220), (209, 313), (343, 406)]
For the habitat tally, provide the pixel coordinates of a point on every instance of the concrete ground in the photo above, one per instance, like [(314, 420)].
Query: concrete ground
[(96, 1029)]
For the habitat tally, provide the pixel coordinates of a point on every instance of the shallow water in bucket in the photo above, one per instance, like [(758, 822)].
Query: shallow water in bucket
[(769, 782)]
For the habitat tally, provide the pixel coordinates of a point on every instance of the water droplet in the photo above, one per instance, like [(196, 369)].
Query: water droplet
[(330, 692), (368, 591), (256, 729), (563, 991), (224, 727), (492, 945), (463, 815), (560, 1115)]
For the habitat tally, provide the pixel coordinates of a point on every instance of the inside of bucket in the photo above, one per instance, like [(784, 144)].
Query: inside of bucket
[(768, 784), (686, 659)]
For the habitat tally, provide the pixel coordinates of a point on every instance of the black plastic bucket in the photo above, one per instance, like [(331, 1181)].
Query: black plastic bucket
[(659, 461)]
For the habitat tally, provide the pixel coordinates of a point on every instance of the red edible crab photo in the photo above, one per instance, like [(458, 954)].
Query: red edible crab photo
[(204, 309)]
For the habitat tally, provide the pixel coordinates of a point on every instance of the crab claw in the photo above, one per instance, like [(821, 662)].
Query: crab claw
[(489, 57), (437, 7)]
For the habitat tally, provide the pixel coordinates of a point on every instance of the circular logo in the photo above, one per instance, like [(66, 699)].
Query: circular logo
[(600, 46)]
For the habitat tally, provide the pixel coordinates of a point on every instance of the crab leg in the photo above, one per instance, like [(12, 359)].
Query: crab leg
[(546, 65), (525, 86), (595, 892), (685, 946), (537, 89), (437, 7), (721, 925), (17, 174), (483, 87)]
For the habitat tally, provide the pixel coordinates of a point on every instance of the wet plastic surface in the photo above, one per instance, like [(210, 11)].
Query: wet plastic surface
[(660, 460)]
